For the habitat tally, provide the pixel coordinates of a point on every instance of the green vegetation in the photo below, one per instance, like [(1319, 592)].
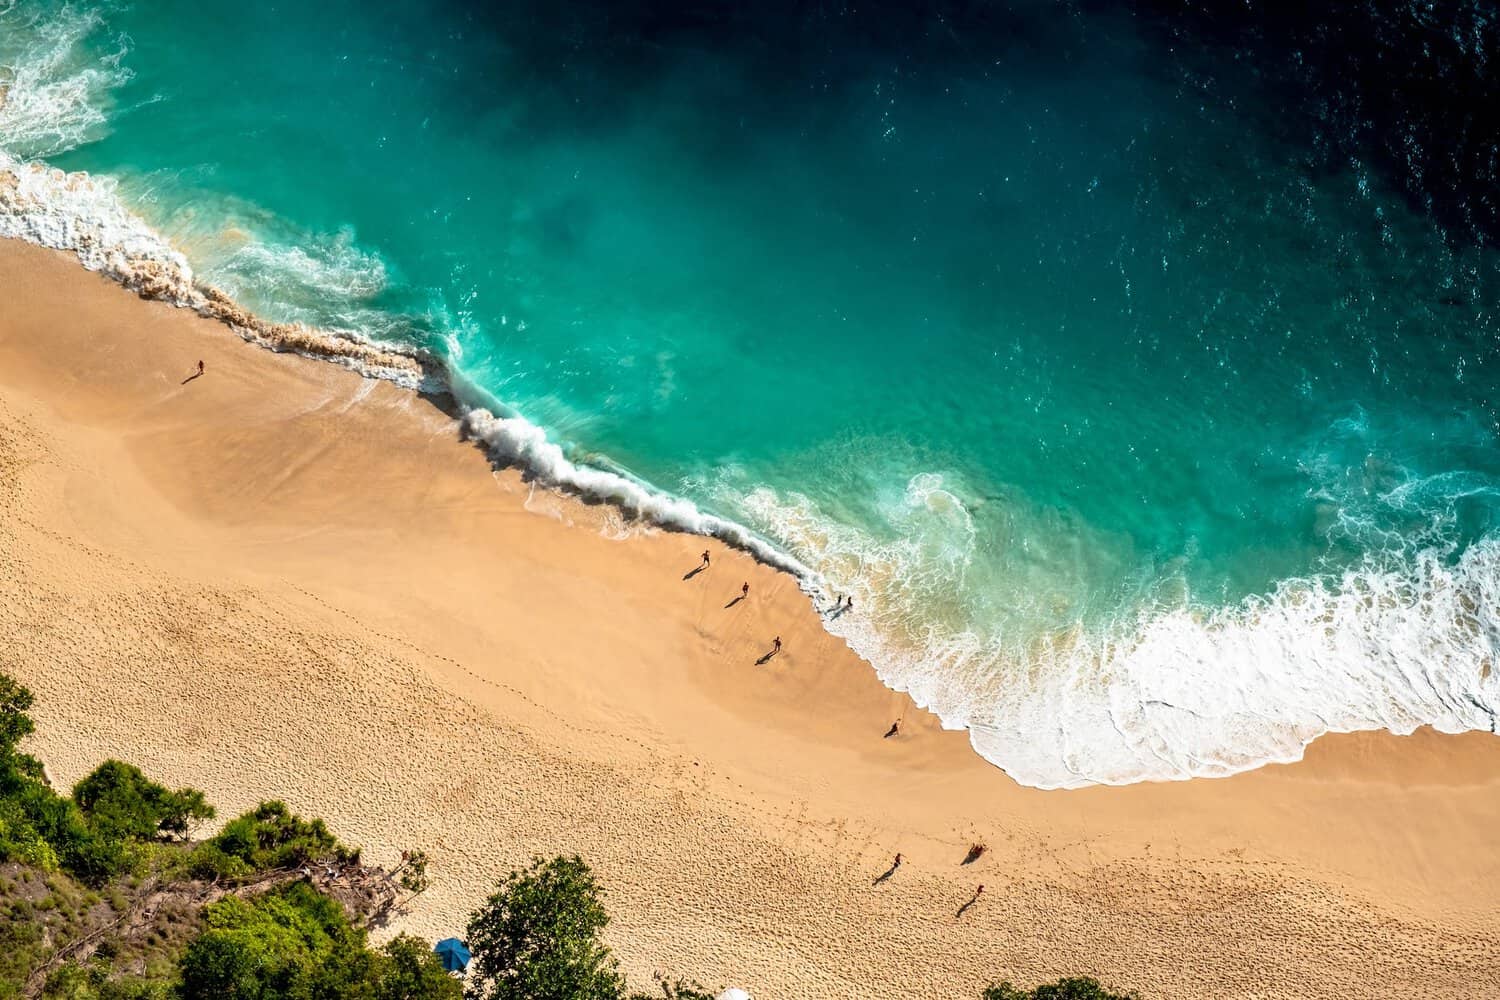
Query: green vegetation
[(122, 804), (265, 839), (105, 829), (101, 898), (294, 943), (537, 937), (1064, 989)]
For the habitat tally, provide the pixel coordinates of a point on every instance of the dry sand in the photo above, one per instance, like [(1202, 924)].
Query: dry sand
[(282, 580)]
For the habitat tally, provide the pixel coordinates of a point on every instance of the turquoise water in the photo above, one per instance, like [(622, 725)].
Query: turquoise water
[(1149, 443)]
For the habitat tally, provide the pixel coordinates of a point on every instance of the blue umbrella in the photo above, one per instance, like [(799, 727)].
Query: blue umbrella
[(454, 955)]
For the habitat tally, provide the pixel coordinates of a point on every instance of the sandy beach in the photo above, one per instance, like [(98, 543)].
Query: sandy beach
[(283, 580)]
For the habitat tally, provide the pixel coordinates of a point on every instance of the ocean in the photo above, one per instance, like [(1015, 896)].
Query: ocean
[(1140, 384)]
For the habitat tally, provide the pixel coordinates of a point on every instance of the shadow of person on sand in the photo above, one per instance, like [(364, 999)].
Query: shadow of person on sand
[(735, 601), (965, 908), (190, 378), (694, 572), (976, 852), (767, 658), (888, 873)]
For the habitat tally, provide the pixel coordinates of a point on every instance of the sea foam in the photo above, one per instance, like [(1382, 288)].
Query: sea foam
[(1401, 640), (1396, 642)]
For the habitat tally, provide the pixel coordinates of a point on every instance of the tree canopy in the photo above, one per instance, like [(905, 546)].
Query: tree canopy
[(122, 802), (537, 938), (269, 836), (295, 943)]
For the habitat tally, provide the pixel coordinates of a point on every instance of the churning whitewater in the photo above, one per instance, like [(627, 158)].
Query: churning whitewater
[(1149, 444)]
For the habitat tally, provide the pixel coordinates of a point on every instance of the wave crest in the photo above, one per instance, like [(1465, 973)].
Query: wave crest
[(1193, 692), (54, 93)]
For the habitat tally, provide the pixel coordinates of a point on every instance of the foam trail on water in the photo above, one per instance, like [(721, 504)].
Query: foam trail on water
[(1396, 642), (1406, 638), (513, 440), (85, 215), (54, 95)]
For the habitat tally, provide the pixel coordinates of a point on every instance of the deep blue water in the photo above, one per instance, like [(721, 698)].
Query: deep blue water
[(1151, 422)]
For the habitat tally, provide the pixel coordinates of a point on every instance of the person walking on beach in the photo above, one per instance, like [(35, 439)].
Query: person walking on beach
[(894, 730), (200, 368), (704, 564), (744, 591), (897, 863), (776, 644)]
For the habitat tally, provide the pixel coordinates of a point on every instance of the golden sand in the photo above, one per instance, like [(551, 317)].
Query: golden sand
[(283, 580)]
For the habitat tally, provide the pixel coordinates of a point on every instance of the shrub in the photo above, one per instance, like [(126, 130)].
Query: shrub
[(297, 943), (16, 768), (80, 851), (675, 989), (408, 970), (95, 834), (270, 836), (1080, 988), (290, 942), (537, 938), (122, 803), (15, 724), (413, 872), (20, 841)]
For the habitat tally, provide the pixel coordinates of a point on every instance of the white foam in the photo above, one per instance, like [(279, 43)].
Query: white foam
[(56, 93), (513, 440), (322, 267), (1188, 693), (85, 215), (1411, 641)]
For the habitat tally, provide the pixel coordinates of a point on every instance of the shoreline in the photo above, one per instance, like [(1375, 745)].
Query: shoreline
[(117, 243), (283, 580), (81, 215)]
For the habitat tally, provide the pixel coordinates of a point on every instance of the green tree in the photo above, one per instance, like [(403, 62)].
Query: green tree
[(413, 872), (15, 701), (409, 970), (537, 938), (15, 726), (1073, 988), (292, 942), (81, 851), (122, 803), (269, 836)]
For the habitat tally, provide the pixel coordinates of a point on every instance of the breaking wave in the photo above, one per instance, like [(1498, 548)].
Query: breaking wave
[(1405, 637)]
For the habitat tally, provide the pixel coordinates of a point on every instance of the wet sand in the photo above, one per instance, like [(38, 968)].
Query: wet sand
[(283, 580)]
